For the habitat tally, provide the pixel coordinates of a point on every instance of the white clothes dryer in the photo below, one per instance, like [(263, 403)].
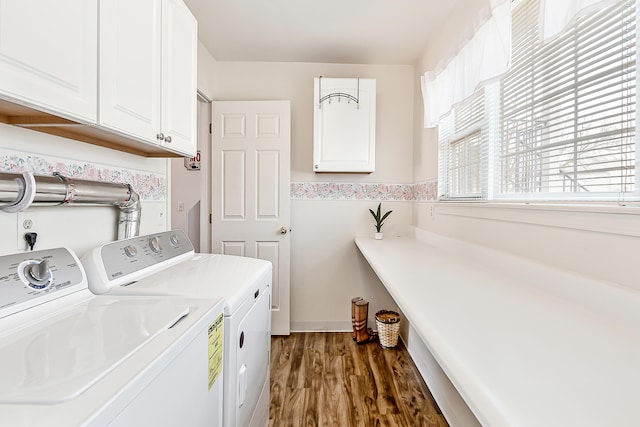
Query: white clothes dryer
[(71, 358), (165, 264)]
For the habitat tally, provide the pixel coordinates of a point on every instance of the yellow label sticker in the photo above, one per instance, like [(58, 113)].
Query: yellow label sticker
[(216, 331)]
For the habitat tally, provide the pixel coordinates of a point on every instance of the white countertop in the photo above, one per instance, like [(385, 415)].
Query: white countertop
[(525, 345)]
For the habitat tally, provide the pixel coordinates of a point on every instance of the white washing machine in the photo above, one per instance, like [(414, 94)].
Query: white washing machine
[(165, 264), (71, 358)]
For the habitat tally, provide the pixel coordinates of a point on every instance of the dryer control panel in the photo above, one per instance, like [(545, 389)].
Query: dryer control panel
[(124, 261), (32, 278)]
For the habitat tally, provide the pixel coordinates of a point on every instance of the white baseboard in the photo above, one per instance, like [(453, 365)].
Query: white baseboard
[(321, 326)]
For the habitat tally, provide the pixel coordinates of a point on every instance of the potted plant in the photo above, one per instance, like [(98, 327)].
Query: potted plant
[(379, 220)]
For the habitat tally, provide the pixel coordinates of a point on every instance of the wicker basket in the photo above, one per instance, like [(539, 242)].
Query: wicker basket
[(388, 323)]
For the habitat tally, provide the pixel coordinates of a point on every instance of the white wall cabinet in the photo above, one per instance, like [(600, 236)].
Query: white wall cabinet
[(130, 67), (48, 56), (148, 64), (344, 125), (116, 73), (179, 77)]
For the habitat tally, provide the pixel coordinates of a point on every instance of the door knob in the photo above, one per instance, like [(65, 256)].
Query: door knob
[(283, 230)]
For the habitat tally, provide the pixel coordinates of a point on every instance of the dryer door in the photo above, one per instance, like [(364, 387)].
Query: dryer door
[(253, 347)]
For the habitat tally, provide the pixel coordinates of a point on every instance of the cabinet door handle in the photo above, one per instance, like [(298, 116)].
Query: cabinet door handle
[(168, 139), (160, 136)]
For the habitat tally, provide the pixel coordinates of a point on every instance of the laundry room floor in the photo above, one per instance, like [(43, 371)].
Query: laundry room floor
[(326, 379)]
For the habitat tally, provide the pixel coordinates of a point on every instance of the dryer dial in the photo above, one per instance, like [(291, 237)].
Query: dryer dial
[(154, 244), (130, 251)]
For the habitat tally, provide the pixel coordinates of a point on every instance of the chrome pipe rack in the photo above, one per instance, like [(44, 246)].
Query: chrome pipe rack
[(20, 191)]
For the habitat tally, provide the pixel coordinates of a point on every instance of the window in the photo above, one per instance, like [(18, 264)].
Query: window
[(466, 147), (461, 153), (564, 116)]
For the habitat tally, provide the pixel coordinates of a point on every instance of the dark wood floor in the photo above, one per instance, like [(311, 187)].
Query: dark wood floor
[(326, 379)]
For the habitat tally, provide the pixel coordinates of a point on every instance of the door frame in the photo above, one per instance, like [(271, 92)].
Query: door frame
[(282, 325), (204, 145)]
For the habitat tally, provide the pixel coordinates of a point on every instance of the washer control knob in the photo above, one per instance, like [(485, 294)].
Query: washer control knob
[(154, 244), (130, 251), (174, 240), (37, 274)]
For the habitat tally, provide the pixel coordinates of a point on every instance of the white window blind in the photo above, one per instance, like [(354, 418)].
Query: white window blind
[(466, 138), (569, 108), (462, 155), (557, 15)]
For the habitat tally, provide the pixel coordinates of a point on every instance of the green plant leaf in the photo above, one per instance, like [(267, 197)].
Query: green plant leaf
[(379, 217)]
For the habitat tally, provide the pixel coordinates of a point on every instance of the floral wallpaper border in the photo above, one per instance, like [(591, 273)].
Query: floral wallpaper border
[(422, 191), (150, 186), (425, 191), (153, 187)]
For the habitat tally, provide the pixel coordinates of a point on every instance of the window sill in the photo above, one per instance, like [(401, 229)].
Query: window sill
[(604, 218)]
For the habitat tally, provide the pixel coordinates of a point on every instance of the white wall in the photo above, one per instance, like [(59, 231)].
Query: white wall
[(206, 70), (188, 185), (326, 267), (77, 227)]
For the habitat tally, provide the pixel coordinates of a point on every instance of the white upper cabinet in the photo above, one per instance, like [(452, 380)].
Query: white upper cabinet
[(179, 77), (48, 56), (130, 67), (148, 64), (344, 125), (116, 73)]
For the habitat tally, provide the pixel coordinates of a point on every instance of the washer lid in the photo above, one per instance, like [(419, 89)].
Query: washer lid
[(61, 355), (233, 278)]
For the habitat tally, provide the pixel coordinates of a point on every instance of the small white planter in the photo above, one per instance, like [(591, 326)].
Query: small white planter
[(378, 236)]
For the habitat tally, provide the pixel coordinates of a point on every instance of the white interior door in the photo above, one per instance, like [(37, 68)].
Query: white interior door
[(250, 175)]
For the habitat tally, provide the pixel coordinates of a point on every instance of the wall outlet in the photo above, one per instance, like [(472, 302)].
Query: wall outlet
[(27, 224)]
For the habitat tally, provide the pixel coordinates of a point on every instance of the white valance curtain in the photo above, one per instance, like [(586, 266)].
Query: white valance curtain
[(487, 53), (484, 56), (556, 16)]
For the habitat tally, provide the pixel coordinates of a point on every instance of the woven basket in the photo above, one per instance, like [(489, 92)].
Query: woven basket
[(388, 323)]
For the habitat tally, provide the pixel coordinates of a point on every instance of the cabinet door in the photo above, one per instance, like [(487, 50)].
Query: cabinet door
[(130, 67), (48, 56), (179, 78), (344, 125)]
